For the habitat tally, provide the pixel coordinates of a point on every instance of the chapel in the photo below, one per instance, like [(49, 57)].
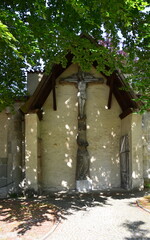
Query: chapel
[(77, 131)]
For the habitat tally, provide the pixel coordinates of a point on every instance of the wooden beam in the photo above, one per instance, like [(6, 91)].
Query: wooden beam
[(45, 87), (126, 113), (54, 99), (110, 93), (40, 114)]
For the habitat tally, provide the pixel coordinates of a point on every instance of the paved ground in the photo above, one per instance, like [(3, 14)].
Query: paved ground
[(101, 217)]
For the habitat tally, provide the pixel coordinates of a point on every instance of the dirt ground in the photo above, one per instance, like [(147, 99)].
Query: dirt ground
[(145, 202), (30, 219), (22, 219)]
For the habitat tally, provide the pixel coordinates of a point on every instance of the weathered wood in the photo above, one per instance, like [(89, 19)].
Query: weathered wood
[(54, 95), (124, 161), (126, 113), (54, 99), (83, 159), (45, 87), (110, 93)]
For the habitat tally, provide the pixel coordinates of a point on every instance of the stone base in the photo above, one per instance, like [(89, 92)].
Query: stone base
[(84, 185)]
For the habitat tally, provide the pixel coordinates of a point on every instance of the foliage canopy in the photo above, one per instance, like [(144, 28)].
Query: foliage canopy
[(48, 29)]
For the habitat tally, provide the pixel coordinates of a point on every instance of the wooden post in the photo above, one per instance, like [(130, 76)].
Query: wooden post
[(110, 93)]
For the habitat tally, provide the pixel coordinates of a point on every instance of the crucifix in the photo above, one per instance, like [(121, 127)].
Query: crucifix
[(83, 158)]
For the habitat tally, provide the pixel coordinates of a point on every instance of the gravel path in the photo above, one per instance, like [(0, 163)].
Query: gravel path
[(102, 217)]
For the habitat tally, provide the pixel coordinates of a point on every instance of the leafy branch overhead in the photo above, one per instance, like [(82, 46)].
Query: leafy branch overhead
[(119, 34)]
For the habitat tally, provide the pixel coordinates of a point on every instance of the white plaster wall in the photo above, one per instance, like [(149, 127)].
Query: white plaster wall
[(32, 133), (103, 135), (137, 151), (126, 126), (146, 146), (58, 133), (59, 130)]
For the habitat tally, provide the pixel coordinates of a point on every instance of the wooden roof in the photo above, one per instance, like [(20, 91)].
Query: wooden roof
[(115, 81)]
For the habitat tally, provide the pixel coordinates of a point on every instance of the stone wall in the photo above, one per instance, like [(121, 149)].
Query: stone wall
[(103, 135), (58, 133)]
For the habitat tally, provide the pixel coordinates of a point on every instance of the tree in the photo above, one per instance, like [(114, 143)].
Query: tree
[(48, 29)]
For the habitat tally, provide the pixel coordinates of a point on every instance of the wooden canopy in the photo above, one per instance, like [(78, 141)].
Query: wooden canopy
[(115, 81)]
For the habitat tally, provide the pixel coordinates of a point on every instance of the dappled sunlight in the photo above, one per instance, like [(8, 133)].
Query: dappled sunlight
[(31, 130), (148, 172), (146, 145), (68, 160), (116, 159), (113, 134), (133, 126), (27, 157), (32, 152), (59, 137), (92, 159), (64, 184), (103, 178), (26, 216), (67, 102), (55, 158), (29, 183), (103, 136), (5, 148), (59, 131)]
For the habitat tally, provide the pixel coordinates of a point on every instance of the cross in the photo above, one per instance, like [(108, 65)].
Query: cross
[(83, 159)]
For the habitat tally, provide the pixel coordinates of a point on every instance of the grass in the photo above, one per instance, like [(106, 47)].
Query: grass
[(148, 198), (145, 202)]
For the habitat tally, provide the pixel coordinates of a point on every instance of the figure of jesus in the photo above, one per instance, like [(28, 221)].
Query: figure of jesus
[(83, 159), (81, 96)]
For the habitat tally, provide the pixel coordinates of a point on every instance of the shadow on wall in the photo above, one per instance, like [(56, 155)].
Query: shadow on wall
[(58, 133), (58, 153), (59, 147), (101, 175)]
